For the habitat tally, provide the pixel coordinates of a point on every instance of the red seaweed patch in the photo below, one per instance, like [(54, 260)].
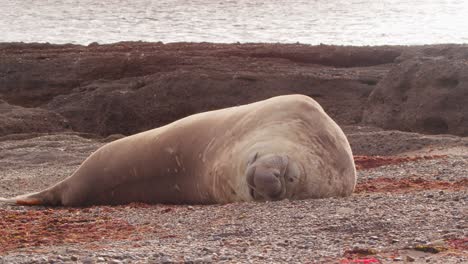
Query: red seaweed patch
[(369, 162), (459, 243), (360, 255), (33, 228), (383, 184)]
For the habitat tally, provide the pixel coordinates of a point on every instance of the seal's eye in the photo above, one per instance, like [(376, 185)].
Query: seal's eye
[(290, 179)]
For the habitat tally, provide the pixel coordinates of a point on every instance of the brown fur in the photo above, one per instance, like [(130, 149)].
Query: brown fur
[(204, 159)]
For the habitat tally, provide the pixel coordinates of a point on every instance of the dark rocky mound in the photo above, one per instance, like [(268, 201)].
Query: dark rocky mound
[(17, 119), (131, 105), (423, 94), (129, 87)]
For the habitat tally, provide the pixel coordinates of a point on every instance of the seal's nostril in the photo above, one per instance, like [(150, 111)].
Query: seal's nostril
[(276, 174)]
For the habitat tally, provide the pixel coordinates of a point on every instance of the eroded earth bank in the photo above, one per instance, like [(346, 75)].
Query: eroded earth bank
[(404, 110)]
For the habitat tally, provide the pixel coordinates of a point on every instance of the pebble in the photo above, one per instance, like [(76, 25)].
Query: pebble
[(166, 260), (88, 260)]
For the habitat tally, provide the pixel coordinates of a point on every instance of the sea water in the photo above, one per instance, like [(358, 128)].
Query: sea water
[(348, 22)]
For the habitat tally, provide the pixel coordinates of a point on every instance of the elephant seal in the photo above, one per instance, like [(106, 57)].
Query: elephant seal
[(282, 147)]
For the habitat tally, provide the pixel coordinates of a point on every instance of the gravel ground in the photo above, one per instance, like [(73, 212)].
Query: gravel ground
[(371, 226)]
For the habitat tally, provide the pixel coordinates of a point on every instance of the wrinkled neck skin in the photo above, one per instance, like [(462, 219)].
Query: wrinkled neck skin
[(309, 172)]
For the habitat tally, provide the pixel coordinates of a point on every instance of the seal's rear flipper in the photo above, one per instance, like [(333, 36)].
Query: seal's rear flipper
[(22, 200), (29, 201), (7, 201)]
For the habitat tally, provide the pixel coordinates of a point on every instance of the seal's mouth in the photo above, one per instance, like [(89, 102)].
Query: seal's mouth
[(256, 195), (250, 182), (252, 191)]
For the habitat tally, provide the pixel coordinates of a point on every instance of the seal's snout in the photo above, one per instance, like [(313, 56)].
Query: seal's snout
[(267, 183), (265, 176)]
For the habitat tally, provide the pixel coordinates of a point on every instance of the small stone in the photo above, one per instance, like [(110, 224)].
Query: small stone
[(73, 258), (114, 261), (166, 260), (397, 259), (422, 241), (374, 237), (88, 260), (438, 243), (410, 259), (207, 250), (207, 259)]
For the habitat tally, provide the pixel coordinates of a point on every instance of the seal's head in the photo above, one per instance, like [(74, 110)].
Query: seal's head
[(270, 177)]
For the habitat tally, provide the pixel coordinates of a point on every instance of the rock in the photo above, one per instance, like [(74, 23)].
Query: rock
[(124, 107), (426, 95), (16, 119), (127, 88)]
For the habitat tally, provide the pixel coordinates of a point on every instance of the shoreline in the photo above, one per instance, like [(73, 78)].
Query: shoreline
[(97, 43)]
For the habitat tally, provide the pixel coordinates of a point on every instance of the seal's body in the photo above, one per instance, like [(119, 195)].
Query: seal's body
[(283, 147)]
